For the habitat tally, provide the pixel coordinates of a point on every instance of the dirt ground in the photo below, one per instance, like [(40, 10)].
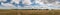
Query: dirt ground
[(29, 12)]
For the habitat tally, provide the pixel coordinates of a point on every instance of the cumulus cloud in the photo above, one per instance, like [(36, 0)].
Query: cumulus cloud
[(27, 2), (7, 4), (44, 3), (16, 1)]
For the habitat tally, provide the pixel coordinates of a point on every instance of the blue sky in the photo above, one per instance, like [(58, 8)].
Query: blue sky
[(19, 6)]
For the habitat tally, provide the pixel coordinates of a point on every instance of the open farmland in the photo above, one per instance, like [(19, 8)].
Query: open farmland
[(29, 12)]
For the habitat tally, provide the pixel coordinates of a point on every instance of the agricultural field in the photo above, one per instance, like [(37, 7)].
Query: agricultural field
[(29, 12), (7, 12)]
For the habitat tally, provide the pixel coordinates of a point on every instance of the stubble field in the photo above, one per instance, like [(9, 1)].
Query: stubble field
[(29, 12)]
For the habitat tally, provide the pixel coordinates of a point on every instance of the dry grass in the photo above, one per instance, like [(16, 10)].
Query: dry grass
[(30, 12), (34, 12), (39, 12), (7, 12)]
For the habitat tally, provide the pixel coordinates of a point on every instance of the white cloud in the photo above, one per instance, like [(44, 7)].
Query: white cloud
[(7, 4), (27, 2), (3, 0), (16, 1)]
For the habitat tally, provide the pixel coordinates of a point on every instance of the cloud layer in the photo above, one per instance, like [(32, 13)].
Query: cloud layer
[(30, 4)]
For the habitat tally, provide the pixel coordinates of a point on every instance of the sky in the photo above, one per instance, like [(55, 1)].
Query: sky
[(28, 4)]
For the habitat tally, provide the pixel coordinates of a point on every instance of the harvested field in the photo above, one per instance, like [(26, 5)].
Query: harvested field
[(29, 12), (8, 12)]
